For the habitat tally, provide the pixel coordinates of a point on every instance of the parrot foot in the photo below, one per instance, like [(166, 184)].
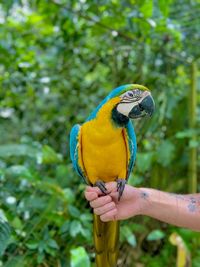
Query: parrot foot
[(101, 185), (120, 187)]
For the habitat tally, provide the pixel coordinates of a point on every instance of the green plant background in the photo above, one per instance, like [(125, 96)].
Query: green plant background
[(58, 60)]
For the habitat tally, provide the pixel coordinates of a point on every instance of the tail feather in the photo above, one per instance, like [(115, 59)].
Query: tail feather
[(106, 240)]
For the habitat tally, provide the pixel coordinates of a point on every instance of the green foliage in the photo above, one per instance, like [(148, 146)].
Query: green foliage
[(79, 258), (127, 235), (5, 232), (58, 60), (155, 235)]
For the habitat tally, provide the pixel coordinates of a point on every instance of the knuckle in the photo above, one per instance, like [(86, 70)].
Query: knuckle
[(108, 198), (92, 204), (112, 204), (104, 199), (95, 203)]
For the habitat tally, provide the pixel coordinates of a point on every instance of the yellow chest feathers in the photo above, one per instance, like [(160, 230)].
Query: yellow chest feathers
[(103, 147)]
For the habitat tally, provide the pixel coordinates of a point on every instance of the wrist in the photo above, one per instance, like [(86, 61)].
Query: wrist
[(144, 201)]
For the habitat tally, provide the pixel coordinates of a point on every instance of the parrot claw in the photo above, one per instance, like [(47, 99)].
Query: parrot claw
[(120, 187), (101, 186)]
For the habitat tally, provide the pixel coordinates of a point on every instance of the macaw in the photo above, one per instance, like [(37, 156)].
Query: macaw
[(103, 149)]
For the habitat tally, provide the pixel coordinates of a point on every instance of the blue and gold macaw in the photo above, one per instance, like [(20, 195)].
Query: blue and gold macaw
[(103, 149)]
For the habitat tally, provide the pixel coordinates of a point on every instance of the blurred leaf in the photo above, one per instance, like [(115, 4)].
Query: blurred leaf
[(155, 235), (17, 223), (74, 212), (132, 240), (79, 257), (75, 228), (16, 261), (65, 227), (188, 133), (86, 233), (50, 156), (20, 171), (86, 217), (193, 143), (165, 153), (32, 244), (164, 6), (135, 180), (139, 228), (5, 232), (17, 150), (147, 8), (62, 172), (53, 244), (144, 161), (128, 235), (69, 195), (40, 257)]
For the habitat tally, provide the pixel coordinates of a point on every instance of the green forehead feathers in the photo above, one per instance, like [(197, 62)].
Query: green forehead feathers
[(124, 88), (134, 86)]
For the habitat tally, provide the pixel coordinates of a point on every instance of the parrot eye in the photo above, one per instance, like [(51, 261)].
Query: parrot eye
[(130, 94)]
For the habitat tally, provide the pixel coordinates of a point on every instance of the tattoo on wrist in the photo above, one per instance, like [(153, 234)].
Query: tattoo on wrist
[(192, 206), (144, 195)]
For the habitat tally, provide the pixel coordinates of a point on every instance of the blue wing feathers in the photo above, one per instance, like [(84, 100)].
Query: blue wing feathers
[(74, 141), (74, 150), (132, 144)]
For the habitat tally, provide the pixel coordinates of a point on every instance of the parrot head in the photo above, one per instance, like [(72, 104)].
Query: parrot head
[(131, 101), (135, 102)]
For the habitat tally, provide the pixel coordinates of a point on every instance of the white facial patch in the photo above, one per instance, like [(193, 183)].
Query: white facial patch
[(125, 108)]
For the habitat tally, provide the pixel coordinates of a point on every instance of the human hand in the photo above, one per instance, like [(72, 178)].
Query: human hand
[(109, 208)]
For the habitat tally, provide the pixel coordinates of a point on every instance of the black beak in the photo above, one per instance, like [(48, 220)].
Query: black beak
[(146, 106)]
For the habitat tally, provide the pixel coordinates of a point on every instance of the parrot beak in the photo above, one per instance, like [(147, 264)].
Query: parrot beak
[(143, 108)]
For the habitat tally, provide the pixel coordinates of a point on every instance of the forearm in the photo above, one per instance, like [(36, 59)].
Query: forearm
[(179, 210)]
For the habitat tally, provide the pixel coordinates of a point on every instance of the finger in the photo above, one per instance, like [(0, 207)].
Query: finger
[(100, 201), (103, 209), (88, 188), (90, 196), (94, 189), (114, 196), (109, 216), (111, 186)]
